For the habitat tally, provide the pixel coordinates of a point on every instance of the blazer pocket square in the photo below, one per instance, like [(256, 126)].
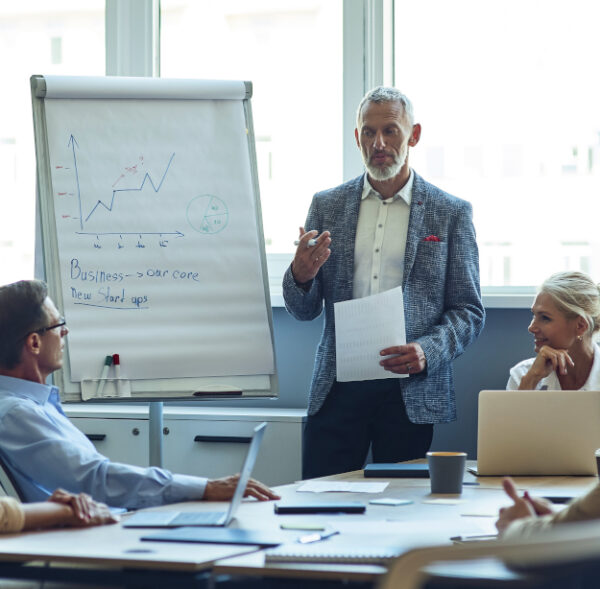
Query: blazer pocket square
[(432, 238)]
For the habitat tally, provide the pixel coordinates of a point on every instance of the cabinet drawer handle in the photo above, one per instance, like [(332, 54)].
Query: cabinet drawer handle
[(221, 439), (96, 437)]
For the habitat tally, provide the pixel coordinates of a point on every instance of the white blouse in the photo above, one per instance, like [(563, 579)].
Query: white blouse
[(551, 382)]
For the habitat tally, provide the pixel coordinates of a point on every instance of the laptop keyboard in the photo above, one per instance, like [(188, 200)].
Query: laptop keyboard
[(192, 518)]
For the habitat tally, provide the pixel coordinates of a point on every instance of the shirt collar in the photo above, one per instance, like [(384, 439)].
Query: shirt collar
[(40, 393), (405, 193)]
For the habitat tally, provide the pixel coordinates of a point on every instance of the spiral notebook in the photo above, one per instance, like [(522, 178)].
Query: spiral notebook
[(326, 552)]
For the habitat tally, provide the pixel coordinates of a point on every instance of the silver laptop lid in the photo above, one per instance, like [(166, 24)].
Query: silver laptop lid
[(257, 436), (538, 432)]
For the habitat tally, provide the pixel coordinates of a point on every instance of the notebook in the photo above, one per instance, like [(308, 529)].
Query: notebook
[(409, 470), (538, 432), (322, 552), (175, 519)]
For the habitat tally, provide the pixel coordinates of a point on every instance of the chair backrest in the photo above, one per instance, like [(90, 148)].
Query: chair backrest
[(567, 545), (8, 484)]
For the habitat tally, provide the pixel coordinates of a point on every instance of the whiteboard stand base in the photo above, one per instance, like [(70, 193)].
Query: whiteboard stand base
[(155, 433)]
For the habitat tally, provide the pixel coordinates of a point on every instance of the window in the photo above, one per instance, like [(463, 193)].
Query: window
[(67, 38), (291, 50), (506, 93), (508, 96)]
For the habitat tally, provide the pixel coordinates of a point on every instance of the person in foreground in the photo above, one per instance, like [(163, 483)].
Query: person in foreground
[(566, 319), (529, 515), (61, 509), (39, 444), (385, 229)]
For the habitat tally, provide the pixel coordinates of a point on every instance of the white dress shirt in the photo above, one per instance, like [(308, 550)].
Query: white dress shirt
[(381, 240), (44, 451)]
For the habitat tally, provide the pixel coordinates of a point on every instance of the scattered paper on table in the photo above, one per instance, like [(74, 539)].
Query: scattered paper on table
[(390, 501), (445, 501), (427, 532), (341, 487), (487, 513), (364, 327)]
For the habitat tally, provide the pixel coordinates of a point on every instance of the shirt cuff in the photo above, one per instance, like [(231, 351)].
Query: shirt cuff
[(13, 515), (186, 488)]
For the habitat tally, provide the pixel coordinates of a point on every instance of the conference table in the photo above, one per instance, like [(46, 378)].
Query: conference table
[(110, 555)]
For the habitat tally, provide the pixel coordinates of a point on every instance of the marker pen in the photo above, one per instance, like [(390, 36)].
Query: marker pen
[(117, 364), (107, 362), (311, 242)]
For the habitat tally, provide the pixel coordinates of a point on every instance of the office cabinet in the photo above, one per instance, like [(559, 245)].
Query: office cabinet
[(120, 438), (216, 442), (208, 442)]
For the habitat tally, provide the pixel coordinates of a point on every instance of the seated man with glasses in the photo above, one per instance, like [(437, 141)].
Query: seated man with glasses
[(39, 444)]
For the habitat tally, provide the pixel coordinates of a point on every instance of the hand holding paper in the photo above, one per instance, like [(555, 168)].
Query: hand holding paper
[(407, 359)]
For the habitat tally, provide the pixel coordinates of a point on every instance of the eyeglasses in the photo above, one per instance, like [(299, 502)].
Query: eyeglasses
[(61, 323)]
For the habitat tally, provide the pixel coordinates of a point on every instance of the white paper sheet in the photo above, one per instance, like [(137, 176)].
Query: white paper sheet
[(363, 327), (341, 487), (423, 531)]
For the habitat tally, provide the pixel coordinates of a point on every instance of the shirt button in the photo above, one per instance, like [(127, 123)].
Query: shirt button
[(377, 250), (375, 277), (384, 203), (380, 225)]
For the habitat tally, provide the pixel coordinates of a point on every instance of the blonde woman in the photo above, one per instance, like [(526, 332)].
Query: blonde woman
[(566, 319)]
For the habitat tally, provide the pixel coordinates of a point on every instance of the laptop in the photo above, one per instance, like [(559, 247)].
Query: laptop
[(538, 432), (175, 519)]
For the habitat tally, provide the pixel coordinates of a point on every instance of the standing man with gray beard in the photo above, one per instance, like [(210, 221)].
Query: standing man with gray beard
[(384, 229)]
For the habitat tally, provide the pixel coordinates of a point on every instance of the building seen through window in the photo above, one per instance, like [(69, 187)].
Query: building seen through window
[(38, 37), (508, 97), (291, 50)]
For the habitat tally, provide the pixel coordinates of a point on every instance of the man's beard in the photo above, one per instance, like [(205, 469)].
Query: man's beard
[(390, 171)]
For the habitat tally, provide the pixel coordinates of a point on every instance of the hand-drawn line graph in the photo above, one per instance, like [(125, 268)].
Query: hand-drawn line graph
[(207, 214), (146, 180)]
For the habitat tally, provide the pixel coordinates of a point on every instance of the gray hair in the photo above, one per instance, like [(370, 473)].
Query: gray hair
[(576, 295), (21, 313), (386, 94)]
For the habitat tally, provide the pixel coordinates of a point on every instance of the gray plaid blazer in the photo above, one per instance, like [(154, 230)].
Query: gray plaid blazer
[(442, 298)]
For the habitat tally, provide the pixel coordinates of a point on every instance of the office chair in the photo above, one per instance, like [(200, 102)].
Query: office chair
[(8, 484), (567, 556)]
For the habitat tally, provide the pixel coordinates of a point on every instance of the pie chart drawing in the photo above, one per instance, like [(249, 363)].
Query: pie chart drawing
[(207, 214)]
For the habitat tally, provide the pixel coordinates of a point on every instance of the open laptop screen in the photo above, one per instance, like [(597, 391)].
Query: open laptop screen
[(259, 432)]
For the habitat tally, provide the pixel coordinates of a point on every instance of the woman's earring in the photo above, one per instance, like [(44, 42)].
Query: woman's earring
[(580, 338)]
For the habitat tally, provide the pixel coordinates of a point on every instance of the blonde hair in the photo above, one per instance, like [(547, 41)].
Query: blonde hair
[(576, 295)]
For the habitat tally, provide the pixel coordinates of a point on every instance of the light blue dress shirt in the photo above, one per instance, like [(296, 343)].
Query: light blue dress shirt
[(44, 451)]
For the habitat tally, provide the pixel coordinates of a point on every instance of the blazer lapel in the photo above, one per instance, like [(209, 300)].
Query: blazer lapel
[(415, 224), (347, 219)]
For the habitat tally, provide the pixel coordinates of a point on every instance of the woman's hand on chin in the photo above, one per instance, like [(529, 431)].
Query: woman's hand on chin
[(548, 360)]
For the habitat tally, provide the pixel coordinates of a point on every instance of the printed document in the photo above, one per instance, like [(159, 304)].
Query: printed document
[(364, 327)]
